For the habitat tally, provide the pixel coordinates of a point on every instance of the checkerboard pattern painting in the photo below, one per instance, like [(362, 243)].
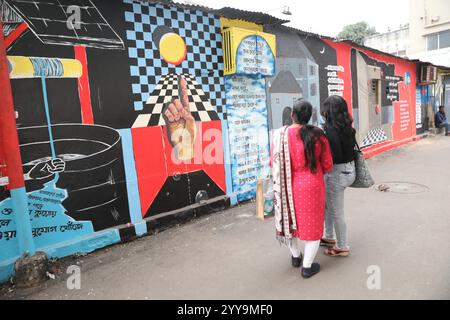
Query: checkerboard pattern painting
[(374, 136), (204, 61), (165, 91)]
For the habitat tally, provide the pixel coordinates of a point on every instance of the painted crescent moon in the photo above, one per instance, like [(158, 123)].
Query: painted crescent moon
[(322, 51)]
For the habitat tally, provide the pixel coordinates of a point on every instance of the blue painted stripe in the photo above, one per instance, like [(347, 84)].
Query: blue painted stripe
[(141, 228), (19, 201), (49, 126), (227, 163), (7, 269), (132, 182), (85, 244), (47, 115)]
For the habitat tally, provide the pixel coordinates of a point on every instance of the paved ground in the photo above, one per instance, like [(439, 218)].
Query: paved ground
[(232, 255)]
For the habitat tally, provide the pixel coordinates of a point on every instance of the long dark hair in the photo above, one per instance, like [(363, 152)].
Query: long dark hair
[(337, 117), (302, 112)]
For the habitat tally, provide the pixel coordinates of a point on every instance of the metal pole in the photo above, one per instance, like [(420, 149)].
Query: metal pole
[(12, 156)]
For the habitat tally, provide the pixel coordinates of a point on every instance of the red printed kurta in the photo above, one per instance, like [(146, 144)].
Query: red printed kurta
[(308, 188)]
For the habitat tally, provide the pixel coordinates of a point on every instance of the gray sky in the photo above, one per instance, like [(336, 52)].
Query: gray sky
[(326, 17)]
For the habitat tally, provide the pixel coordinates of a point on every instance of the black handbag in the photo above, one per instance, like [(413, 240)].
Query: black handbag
[(363, 178)]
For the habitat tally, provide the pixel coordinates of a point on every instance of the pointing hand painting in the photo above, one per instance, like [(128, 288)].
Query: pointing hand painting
[(181, 124), (46, 169)]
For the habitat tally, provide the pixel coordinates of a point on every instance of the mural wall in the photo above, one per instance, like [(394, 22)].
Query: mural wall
[(179, 155), (127, 110), (379, 90), (119, 118), (383, 98), (248, 132), (250, 57), (73, 162), (297, 76)]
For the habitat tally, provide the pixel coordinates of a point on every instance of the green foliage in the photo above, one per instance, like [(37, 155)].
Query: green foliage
[(357, 32)]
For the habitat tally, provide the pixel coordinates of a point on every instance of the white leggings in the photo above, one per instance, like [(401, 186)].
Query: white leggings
[(311, 248)]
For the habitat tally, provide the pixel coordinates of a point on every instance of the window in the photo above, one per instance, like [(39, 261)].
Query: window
[(312, 70), (300, 70), (313, 89), (444, 39), (438, 40), (432, 42)]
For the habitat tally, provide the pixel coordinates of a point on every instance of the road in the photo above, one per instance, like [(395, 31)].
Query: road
[(232, 255)]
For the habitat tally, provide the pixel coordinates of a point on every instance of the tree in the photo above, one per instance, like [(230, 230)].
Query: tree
[(357, 32)]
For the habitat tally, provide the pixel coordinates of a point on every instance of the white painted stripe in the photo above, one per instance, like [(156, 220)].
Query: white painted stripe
[(141, 121)]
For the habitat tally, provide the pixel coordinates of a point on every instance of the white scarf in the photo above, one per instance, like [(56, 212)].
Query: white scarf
[(285, 222)]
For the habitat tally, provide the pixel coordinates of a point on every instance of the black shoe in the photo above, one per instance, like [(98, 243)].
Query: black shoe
[(309, 272), (297, 262)]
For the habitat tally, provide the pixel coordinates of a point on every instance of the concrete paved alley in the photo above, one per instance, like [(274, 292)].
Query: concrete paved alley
[(232, 255)]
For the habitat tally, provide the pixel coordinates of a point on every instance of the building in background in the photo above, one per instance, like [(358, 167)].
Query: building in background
[(429, 42), (429, 31), (394, 42)]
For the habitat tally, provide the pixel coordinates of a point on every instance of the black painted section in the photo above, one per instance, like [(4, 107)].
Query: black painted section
[(181, 191), (109, 74), (162, 223), (328, 57), (95, 183), (354, 73), (127, 234), (386, 70)]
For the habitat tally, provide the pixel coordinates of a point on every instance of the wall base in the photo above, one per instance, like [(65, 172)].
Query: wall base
[(386, 147), (84, 244)]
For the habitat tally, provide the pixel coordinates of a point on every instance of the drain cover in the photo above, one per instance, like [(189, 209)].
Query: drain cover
[(402, 187)]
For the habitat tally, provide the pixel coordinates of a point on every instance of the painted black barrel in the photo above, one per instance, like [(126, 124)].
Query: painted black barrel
[(94, 175)]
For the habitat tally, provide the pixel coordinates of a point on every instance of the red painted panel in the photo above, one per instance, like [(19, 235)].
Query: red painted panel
[(151, 169), (84, 92), (154, 162), (406, 103), (10, 139), (13, 36), (407, 99), (214, 166), (343, 59)]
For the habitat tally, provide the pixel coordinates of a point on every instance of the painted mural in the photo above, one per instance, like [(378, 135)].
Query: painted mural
[(251, 56), (74, 171), (384, 99), (379, 90), (300, 74), (124, 111), (248, 128), (176, 54), (119, 117), (254, 56)]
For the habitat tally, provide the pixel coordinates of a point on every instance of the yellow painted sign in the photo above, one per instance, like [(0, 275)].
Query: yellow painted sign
[(248, 52)]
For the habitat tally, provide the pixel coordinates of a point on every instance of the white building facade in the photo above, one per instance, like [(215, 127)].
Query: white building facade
[(394, 42), (429, 31)]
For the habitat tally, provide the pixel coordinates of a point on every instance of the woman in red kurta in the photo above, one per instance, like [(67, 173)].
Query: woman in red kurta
[(308, 188), (309, 158)]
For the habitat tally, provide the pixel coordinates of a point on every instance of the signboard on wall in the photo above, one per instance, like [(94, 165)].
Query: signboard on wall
[(447, 94), (248, 52), (418, 108), (248, 133), (254, 56)]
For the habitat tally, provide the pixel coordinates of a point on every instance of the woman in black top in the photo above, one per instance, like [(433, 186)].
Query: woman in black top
[(341, 135)]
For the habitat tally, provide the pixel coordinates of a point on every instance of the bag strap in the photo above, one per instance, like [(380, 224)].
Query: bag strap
[(357, 145)]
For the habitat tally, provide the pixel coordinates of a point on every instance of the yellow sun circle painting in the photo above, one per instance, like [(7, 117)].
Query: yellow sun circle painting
[(172, 48)]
